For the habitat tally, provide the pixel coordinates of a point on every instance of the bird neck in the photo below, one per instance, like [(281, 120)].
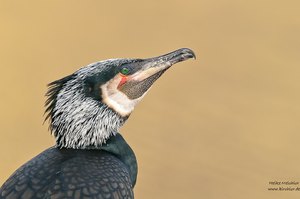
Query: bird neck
[(117, 145), (87, 123)]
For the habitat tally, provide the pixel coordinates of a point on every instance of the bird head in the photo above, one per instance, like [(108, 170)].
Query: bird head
[(87, 107)]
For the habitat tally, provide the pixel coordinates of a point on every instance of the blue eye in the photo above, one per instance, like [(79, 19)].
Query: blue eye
[(124, 70)]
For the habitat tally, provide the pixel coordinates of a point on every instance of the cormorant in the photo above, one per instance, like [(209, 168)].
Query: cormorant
[(85, 110)]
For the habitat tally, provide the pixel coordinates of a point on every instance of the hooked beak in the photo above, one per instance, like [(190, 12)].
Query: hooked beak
[(147, 71)]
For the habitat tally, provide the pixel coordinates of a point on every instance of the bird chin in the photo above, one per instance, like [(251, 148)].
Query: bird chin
[(116, 99)]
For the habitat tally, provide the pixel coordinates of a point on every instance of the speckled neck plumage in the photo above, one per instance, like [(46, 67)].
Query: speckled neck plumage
[(77, 120), (80, 122)]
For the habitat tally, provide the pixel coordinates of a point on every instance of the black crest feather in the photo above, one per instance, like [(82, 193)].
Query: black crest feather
[(53, 90)]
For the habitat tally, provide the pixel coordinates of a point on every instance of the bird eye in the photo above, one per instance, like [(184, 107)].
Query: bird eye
[(124, 70)]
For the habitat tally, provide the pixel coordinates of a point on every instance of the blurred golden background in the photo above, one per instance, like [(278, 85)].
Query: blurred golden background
[(222, 126)]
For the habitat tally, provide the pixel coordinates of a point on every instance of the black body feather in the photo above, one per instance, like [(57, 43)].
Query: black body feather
[(109, 172)]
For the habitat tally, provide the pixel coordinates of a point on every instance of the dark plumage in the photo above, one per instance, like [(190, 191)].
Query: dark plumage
[(74, 173), (86, 109)]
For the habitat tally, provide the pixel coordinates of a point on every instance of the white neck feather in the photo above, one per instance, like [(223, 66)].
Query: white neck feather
[(81, 122)]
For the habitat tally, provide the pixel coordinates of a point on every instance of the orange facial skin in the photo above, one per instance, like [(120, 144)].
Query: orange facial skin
[(123, 80)]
